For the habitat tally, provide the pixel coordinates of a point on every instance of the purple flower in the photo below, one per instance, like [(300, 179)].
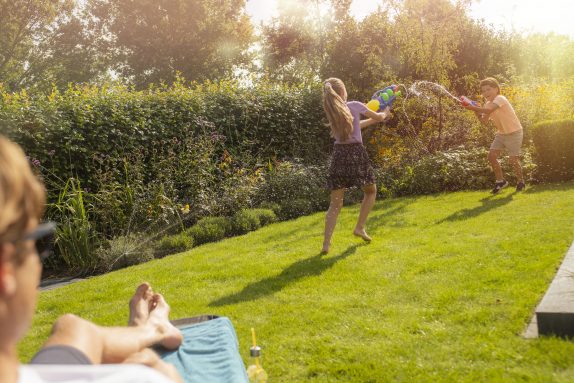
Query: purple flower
[(51, 152), (215, 136), (33, 161)]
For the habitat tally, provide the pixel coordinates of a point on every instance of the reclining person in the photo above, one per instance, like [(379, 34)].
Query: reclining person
[(74, 341)]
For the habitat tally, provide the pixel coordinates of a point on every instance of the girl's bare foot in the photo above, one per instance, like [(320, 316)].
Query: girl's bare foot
[(159, 319), (363, 234), (140, 305)]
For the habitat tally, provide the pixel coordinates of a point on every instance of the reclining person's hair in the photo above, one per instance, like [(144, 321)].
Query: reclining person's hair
[(22, 195)]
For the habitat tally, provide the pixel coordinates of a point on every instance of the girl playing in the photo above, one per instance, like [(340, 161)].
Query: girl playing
[(350, 165), (508, 131)]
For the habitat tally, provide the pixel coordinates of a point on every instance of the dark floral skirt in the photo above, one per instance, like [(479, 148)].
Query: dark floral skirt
[(349, 166)]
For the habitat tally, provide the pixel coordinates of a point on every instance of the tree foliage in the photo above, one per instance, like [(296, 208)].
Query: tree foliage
[(154, 40), (57, 42), (43, 43), (297, 43)]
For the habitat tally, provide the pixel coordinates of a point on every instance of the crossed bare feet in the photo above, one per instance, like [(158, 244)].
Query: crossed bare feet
[(150, 309), (363, 234)]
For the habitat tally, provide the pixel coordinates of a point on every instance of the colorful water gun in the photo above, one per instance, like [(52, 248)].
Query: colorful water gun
[(465, 101), (383, 98)]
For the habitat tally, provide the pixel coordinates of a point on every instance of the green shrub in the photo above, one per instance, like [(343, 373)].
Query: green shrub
[(294, 208), (177, 132), (245, 220), (124, 251), (297, 188), (353, 196), (452, 170), (237, 187), (171, 244), (274, 207), (266, 216), (447, 171), (210, 229), (554, 145)]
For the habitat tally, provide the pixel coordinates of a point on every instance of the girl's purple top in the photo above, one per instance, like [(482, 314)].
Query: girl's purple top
[(357, 109)]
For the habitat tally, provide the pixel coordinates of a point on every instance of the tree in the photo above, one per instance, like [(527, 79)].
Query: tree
[(44, 43), (297, 43), (363, 54), (153, 40), (482, 52), (547, 56), (428, 35)]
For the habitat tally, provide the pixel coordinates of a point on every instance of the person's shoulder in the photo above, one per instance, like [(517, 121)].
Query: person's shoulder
[(357, 105), (500, 100)]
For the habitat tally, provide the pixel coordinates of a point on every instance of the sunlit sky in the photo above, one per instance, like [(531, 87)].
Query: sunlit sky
[(524, 16)]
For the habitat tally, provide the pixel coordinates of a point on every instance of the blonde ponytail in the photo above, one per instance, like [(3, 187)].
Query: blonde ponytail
[(338, 114)]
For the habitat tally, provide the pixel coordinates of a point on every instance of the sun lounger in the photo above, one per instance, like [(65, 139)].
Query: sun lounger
[(209, 352)]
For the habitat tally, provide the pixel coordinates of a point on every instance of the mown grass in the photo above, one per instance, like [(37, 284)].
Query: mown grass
[(443, 293)]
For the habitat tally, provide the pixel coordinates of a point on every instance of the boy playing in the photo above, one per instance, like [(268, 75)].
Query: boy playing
[(509, 132)]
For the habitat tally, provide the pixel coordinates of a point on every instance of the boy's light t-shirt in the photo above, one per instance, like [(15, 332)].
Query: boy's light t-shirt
[(108, 373), (357, 109), (504, 117)]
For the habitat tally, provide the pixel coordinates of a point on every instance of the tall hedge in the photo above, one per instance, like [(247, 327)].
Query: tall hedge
[(554, 145), (88, 129)]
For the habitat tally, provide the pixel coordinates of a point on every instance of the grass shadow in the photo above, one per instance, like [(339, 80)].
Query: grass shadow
[(385, 217), (308, 267), (287, 235), (488, 203)]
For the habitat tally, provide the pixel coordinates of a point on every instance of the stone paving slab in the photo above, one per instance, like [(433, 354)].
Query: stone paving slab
[(555, 313)]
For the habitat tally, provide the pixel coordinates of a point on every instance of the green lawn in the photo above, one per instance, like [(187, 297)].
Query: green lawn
[(443, 293)]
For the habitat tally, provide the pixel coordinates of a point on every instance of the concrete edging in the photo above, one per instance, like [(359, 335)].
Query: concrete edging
[(555, 313)]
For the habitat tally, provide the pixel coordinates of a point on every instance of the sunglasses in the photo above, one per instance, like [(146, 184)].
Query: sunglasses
[(44, 236)]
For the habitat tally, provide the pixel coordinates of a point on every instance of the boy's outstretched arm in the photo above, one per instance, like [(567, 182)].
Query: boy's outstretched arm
[(491, 107), (482, 113)]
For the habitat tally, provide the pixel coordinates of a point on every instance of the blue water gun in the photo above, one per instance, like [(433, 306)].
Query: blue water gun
[(383, 98)]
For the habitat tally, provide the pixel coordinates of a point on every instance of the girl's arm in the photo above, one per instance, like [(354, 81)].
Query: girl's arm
[(374, 117)]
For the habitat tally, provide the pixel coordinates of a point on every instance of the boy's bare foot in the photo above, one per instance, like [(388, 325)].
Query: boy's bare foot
[(363, 234), (140, 305), (159, 319)]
